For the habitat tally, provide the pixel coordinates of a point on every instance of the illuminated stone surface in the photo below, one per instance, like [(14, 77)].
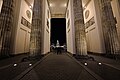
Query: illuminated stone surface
[(109, 27), (80, 38), (6, 26), (35, 39)]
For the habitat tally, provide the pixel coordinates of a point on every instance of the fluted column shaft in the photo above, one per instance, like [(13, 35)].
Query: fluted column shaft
[(119, 2), (109, 27), (6, 25), (35, 38), (80, 38)]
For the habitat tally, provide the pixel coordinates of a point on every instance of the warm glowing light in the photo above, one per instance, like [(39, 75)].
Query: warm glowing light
[(30, 64), (15, 64), (100, 63), (52, 5), (63, 5), (30, 7), (85, 64)]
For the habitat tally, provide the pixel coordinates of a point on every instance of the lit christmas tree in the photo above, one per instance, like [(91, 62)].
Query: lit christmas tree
[(57, 44)]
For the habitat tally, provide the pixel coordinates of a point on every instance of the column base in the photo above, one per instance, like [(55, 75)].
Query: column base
[(4, 57), (32, 58), (83, 57), (113, 56)]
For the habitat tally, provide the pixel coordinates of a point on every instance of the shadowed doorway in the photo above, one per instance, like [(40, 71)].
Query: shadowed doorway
[(58, 31)]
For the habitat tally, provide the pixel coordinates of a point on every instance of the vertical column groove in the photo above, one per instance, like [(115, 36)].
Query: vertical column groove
[(6, 25), (109, 27), (35, 38), (80, 38)]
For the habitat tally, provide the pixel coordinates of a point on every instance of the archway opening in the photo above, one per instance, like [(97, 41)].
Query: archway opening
[(58, 31)]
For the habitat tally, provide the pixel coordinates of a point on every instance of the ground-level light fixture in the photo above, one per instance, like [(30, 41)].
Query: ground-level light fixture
[(100, 63), (30, 64), (15, 65), (85, 64)]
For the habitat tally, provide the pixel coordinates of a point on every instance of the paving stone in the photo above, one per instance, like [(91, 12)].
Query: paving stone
[(58, 67)]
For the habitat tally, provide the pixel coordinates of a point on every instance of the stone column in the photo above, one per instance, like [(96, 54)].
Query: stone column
[(118, 20), (6, 26), (118, 6), (80, 37), (35, 38), (109, 27), (119, 2)]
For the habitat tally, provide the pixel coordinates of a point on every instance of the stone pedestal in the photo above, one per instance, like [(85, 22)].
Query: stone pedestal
[(109, 27), (80, 38), (6, 26), (35, 38)]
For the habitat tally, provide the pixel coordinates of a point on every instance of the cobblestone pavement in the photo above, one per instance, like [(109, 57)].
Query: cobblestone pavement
[(109, 61), (58, 67), (12, 60), (108, 69), (12, 67)]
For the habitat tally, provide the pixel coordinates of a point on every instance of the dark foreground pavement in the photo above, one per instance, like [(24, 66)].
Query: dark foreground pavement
[(108, 69), (57, 67), (13, 66)]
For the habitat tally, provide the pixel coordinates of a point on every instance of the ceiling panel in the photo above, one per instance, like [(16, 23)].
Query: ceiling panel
[(58, 7), (84, 2)]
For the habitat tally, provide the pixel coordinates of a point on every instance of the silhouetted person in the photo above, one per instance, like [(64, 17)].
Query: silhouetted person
[(58, 50)]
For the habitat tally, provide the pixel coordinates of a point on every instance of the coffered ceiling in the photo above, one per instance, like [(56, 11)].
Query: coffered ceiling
[(58, 7)]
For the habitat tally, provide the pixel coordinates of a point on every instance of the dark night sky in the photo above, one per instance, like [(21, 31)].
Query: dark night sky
[(58, 30)]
